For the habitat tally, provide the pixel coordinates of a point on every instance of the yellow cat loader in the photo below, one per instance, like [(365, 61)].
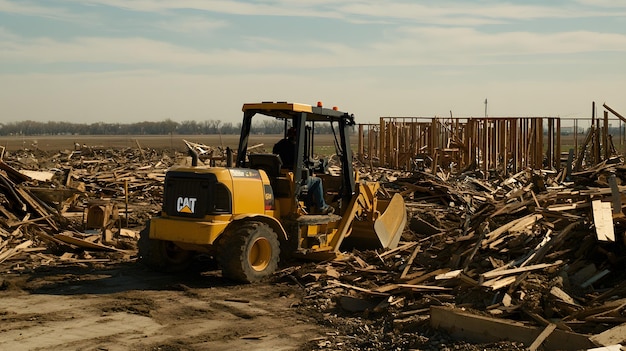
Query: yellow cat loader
[(251, 214)]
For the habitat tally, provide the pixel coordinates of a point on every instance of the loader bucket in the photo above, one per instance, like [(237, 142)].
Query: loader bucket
[(384, 232)]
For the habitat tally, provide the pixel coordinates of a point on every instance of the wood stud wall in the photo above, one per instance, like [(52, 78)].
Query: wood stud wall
[(506, 145)]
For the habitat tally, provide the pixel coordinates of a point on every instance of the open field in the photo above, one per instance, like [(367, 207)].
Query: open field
[(66, 142), (324, 143)]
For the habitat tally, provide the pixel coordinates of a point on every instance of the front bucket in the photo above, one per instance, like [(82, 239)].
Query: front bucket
[(384, 232)]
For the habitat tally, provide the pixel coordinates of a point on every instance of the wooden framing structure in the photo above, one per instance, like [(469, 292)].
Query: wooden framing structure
[(505, 145)]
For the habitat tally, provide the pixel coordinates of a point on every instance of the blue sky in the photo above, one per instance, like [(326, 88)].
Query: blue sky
[(123, 61)]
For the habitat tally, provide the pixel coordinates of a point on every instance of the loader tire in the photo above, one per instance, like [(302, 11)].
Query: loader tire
[(161, 255), (249, 252)]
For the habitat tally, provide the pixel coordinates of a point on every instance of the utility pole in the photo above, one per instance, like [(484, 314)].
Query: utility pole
[(485, 107)]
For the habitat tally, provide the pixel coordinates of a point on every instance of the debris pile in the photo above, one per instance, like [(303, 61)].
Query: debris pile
[(84, 205), (534, 259)]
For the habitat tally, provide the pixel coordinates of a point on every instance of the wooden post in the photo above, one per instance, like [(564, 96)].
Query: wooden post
[(605, 136), (550, 149), (360, 143), (381, 140), (126, 200), (558, 165)]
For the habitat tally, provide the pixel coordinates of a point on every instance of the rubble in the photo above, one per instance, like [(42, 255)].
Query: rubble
[(524, 250), (538, 256), (47, 204)]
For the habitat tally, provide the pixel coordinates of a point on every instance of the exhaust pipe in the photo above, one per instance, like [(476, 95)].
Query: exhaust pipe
[(194, 156)]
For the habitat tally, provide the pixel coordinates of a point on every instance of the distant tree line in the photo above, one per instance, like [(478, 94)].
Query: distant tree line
[(265, 126)]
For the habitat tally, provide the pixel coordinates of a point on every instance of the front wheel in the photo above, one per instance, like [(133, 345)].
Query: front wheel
[(249, 252)]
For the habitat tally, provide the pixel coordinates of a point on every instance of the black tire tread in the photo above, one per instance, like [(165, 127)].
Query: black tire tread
[(151, 253), (233, 248)]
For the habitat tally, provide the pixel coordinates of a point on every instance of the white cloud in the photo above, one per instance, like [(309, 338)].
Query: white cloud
[(216, 6), (29, 9), (191, 24), (442, 13), (412, 46), (472, 43), (604, 3)]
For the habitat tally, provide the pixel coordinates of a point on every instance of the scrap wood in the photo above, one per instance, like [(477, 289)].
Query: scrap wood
[(416, 287), (591, 311), (406, 269), (68, 237), (603, 220), (542, 337), (464, 325), (13, 174), (10, 187), (512, 226), (36, 204), (6, 254), (352, 287), (563, 296), (406, 246), (26, 220), (498, 283), (501, 272), (424, 277), (554, 243), (613, 336)]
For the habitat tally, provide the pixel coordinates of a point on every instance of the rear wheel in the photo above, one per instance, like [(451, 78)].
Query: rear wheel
[(249, 252), (161, 255)]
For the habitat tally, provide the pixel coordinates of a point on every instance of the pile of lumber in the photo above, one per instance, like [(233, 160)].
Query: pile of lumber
[(534, 259), (45, 199)]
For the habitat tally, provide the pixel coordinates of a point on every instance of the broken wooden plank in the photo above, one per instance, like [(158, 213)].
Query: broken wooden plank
[(405, 271), (68, 238), (14, 251), (497, 273), (542, 337), (463, 325), (603, 220), (615, 335)]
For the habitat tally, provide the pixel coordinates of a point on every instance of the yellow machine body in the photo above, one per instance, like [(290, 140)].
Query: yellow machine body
[(245, 214)]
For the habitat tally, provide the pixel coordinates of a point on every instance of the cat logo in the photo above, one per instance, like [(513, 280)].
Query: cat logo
[(186, 204)]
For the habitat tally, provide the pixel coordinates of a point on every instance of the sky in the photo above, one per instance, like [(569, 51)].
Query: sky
[(126, 61)]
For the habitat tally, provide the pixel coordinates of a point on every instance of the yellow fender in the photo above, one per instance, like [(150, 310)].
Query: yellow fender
[(271, 221)]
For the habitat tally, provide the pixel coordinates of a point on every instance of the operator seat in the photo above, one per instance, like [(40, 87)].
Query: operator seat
[(271, 164)]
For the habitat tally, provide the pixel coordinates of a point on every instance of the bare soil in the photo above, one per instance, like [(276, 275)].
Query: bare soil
[(125, 306)]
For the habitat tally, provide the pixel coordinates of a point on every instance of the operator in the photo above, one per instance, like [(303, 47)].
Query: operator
[(286, 149)]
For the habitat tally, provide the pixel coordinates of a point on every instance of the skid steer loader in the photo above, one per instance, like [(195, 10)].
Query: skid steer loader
[(251, 214)]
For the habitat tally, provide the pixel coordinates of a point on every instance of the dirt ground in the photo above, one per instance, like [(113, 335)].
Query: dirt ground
[(124, 306)]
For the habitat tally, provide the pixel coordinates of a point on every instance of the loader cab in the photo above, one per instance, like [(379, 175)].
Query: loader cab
[(289, 181)]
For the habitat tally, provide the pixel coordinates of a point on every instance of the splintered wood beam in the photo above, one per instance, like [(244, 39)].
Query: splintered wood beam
[(614, 112), (500, 272), (583, 149), (466, 326), (542, 337)]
